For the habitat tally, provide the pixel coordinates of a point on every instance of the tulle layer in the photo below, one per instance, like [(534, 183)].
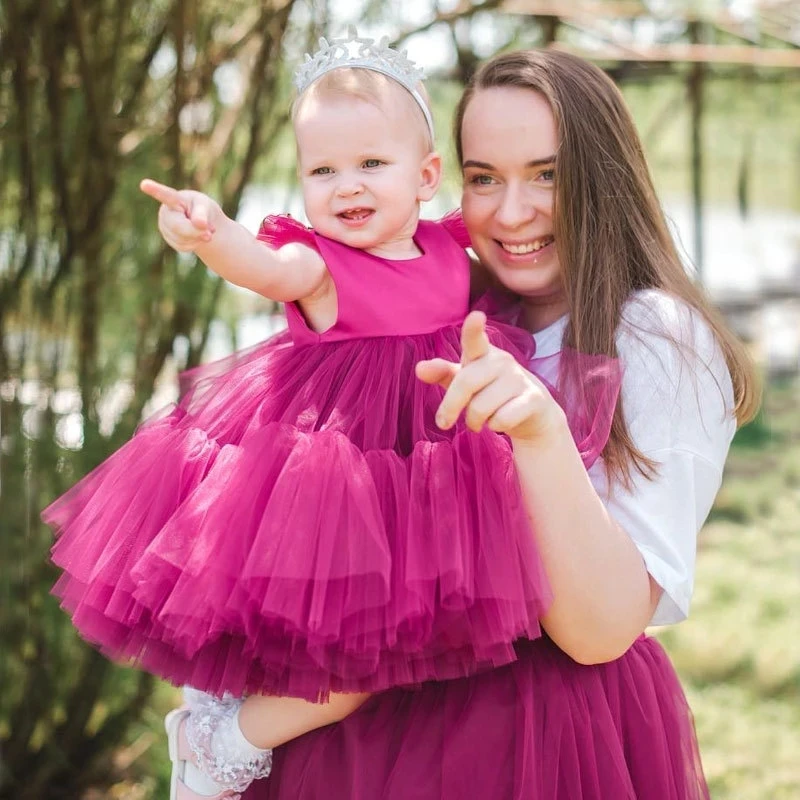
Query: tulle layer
[(298, 525), (542, 728)]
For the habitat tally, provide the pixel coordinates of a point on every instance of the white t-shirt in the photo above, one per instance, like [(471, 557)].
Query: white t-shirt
[(679, 412)]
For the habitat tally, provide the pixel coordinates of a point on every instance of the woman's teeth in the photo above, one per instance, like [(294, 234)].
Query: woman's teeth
[(528, 247)]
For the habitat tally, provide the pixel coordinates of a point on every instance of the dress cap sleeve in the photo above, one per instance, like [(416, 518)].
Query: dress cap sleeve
[(453, 223), (278, 230)]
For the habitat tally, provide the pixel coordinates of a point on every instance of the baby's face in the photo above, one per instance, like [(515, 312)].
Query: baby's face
[(362, 170)]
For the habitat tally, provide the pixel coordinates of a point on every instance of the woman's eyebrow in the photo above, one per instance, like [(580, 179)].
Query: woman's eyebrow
[(477, 165), (537, 162)]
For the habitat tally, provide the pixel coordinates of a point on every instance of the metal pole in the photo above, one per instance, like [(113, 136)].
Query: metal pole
[(695, 88)]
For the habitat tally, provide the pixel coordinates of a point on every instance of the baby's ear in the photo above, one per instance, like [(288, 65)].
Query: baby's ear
[(430, 176)]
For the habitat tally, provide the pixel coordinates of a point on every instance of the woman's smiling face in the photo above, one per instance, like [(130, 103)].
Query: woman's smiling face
[(509, 143)]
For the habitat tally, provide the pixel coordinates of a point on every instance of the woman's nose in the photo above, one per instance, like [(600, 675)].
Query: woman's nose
[(515, 208)]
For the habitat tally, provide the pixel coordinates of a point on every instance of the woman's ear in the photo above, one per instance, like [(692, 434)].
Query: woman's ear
[(430, 176)]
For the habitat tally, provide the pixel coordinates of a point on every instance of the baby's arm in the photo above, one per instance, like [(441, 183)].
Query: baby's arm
[(191, 221)]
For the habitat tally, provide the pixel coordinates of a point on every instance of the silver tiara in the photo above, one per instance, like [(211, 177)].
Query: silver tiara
[(355, 52)]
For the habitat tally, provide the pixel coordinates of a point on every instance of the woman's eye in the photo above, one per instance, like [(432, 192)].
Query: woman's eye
[(371, 163), (481, 180), (548, 175)]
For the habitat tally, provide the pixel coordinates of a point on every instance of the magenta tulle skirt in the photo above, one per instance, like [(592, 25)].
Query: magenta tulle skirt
[(298, 524), (542, 728)]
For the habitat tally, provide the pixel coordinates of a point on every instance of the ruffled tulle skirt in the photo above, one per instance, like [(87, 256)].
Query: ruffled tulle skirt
[(298, 524), (542, 728)]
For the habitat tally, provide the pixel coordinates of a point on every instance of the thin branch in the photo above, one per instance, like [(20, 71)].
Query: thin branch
[(144, 326), (54, 62), (122, 11), (219, 52), (94, 753), (263, 81), (88, 78), (179, 99), (26, 245), (93, 220), (90, 680), (35, 706), (462, 11), (195, 353), (138, 80)]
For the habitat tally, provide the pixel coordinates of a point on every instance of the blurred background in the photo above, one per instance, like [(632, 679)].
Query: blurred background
[(97, 317)]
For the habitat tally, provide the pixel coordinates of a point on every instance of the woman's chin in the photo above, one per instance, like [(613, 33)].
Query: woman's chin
[(529, 285)]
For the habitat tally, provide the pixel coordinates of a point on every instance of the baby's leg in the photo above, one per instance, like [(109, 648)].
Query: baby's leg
[(231, 739), (271, 721)]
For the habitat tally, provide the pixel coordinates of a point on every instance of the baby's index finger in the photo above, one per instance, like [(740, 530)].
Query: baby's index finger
[(474, 341), (164, 194)]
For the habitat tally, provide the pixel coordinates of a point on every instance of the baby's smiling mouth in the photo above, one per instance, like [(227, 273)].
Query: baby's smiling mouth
[(356, 214)]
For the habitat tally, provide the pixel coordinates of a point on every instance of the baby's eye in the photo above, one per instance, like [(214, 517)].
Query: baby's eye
[(371, 163), (321, 171)]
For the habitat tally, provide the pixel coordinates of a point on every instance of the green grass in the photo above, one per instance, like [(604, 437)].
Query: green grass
[(739, 653)]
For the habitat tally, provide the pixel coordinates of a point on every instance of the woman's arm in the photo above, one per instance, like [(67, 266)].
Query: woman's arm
[(604, 597)]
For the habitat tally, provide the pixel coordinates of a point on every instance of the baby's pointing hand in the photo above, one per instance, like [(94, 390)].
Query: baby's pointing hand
[(186, 219)]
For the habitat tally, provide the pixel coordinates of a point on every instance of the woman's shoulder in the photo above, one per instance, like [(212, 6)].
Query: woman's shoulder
[(657, 311), (673, 365), (658, 323)]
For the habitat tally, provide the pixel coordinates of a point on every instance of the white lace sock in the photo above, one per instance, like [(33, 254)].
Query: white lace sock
[(221, 750)]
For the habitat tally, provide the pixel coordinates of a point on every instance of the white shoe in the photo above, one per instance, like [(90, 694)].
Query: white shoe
[(180, 755)]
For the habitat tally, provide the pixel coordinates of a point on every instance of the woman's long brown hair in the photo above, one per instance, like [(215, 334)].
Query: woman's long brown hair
[(609, 227)]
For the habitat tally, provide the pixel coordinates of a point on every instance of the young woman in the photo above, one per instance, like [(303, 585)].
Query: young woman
[(561, 211)]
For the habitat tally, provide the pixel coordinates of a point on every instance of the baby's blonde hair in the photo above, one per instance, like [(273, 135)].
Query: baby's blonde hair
[(371, 87)]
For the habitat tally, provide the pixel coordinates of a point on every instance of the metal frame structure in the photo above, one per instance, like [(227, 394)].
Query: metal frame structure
[(754, 36)]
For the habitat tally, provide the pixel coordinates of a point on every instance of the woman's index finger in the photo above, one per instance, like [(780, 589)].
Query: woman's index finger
[(474, 341), (164, 194)]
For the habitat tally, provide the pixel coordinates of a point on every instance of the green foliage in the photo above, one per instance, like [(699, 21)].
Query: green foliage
[(94, 97), (748, 122), (755, 435)]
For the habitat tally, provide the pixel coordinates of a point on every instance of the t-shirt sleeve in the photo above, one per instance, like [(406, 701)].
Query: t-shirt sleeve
[(678, 405)]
